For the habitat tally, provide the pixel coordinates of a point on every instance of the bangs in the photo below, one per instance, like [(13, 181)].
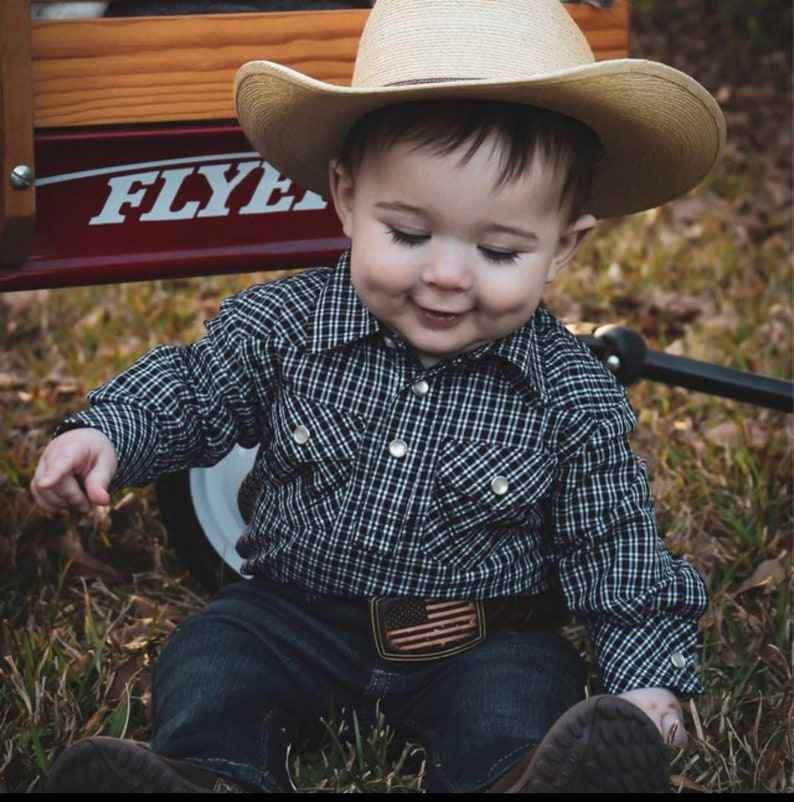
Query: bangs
[(523, 133)]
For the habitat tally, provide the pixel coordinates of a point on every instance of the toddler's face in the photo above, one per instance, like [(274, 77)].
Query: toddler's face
[(444, 256)]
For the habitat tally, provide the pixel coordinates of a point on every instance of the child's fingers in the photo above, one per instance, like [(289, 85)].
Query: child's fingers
[(74, 472), (664, 709), (673, 732), (96, 487), (60, 495)]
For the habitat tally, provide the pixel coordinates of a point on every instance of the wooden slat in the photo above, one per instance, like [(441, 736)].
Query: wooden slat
[(607, 30), (157, 69), (17, 206), (178, 69)]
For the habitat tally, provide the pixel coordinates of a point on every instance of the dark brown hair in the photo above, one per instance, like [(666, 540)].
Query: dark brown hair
[(443, 126)]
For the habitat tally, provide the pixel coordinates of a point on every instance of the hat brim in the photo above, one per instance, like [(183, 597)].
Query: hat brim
[(660, 130)]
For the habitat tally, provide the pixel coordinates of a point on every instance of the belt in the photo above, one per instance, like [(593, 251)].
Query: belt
[(411, 628), (543, 611)]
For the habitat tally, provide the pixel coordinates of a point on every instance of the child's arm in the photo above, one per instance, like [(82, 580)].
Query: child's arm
[(74, 471), (664, 709)]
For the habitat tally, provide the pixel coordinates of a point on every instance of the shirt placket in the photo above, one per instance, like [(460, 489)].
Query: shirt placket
[(394, 475)]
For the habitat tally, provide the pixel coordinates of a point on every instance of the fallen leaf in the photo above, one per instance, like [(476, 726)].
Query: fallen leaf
[(683, 784), (70, 547), (756, 435), (724, 434), (769, 571), (139, 635), (128, 673)]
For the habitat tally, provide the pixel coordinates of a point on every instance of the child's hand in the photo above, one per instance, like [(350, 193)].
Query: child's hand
[(662, 707), (74, 471)]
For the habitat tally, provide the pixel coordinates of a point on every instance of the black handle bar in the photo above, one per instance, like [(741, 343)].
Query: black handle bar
[(625, 354)]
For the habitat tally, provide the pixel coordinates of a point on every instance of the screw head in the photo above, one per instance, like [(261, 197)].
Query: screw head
[(21, 177)]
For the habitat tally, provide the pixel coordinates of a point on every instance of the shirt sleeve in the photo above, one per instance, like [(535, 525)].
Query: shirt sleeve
[(639, 602), (177, 406)]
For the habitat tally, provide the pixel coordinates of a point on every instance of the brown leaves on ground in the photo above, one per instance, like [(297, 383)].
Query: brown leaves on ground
[(770, 573), (742, 53), (69, 545)]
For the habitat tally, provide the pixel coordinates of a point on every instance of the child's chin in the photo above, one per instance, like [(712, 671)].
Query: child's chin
[(435, 353)]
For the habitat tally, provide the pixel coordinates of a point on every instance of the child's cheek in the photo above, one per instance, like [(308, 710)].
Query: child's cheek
[(385, 277), (510, 298)]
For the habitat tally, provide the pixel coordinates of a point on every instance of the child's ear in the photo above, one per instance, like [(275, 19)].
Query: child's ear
[(341, 183), (570, 241)]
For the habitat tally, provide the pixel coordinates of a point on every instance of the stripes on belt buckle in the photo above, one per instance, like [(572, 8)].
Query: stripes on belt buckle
[(409, 628)]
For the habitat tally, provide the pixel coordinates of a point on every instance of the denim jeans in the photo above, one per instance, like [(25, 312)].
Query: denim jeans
[(237, 682)]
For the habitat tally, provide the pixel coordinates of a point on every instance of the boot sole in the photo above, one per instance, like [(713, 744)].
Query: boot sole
[(601, 745), (110, 765)]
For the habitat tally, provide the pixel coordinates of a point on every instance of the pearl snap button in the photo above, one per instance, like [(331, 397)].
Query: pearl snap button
[(420, 388), (389, 342), (300, 435), (499, 485), (678, 659), (398, 448)]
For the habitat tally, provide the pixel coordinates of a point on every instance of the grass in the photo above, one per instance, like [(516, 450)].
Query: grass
[(87, 600)]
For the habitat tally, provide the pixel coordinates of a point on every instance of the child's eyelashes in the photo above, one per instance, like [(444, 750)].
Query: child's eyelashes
[(412, 240), (404, 238), (499, 257)]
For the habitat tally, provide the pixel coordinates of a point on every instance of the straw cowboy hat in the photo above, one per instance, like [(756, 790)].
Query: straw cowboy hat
[(660, 130)]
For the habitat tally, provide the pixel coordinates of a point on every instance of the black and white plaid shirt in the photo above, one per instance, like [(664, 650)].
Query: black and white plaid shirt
[(506, 470)]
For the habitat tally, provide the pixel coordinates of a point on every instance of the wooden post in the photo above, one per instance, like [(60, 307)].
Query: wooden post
[(17, 192)]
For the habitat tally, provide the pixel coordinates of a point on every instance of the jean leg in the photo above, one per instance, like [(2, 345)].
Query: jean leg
[(484, 709), (237, 679)]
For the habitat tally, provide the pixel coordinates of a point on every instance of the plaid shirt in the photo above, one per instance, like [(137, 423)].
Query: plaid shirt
[(506, 470)]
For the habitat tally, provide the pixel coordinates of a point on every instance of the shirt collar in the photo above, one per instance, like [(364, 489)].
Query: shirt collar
[(341, 318), (522, 350)]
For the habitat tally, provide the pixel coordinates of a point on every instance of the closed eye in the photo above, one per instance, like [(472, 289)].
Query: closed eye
[(404, 238), (499, 257)]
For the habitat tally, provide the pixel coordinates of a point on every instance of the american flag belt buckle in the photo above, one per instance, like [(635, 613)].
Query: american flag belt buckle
[(409, 628)]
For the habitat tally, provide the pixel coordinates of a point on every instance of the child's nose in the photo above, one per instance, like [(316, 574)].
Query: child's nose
[(448, 268)]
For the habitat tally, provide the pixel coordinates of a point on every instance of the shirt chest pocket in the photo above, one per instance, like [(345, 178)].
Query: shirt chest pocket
[(312, 444), (486, 487)]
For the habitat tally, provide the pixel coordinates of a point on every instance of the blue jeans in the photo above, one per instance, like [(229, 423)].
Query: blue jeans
[(239, 680)]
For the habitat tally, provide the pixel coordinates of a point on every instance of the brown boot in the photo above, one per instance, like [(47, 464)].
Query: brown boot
[(601, 745), (111, 765)]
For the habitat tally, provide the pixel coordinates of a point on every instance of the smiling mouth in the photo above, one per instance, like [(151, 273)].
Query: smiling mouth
[(435, 317)]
